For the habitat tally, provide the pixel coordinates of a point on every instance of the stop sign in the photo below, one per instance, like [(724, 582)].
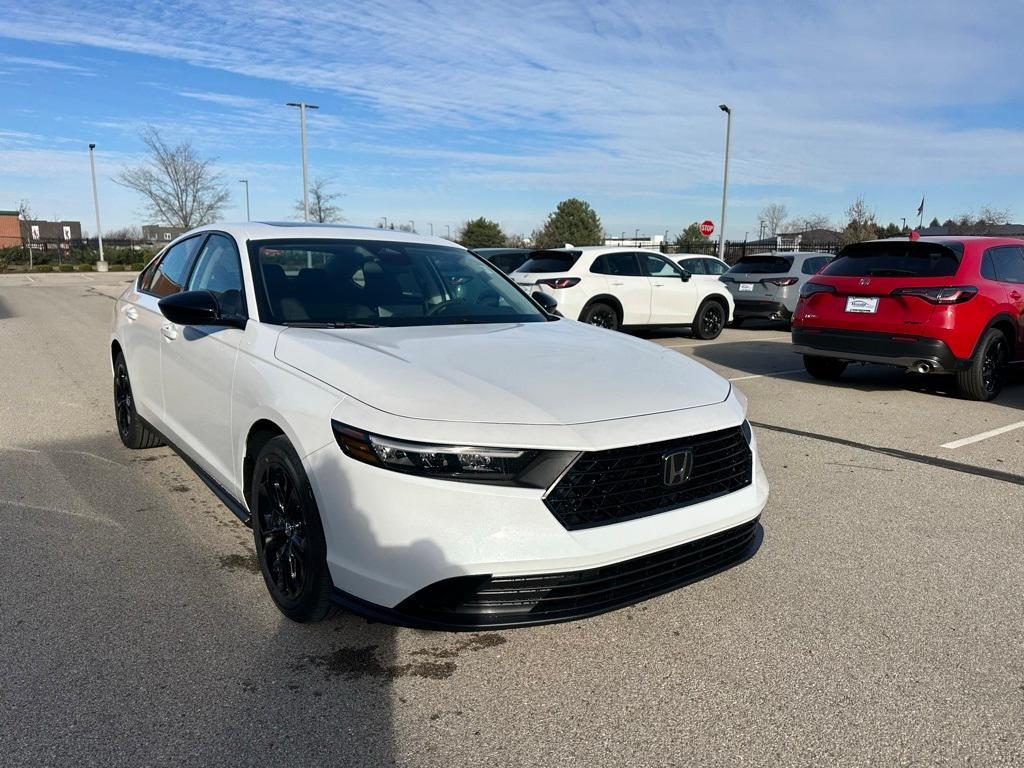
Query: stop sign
[(707, 227)]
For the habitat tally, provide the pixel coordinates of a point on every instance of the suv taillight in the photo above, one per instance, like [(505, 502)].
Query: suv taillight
[(559, 282), (782, 281), (950, 294), (809, 289)]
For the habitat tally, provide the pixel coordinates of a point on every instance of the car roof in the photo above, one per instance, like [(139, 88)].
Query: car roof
[(694, 256), (299, 230)]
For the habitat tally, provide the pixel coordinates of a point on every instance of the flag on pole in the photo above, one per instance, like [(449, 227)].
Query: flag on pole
[(920, 208)]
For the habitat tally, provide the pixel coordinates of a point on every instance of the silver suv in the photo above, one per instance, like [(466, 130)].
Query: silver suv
[(767, 285)]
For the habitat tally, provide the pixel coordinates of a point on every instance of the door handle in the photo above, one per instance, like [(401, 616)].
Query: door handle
[(130, 312), (614, 283), (1014, 295), (169, 331)]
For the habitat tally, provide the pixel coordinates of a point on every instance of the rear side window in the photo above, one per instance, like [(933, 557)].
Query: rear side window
[(762, 265), (693, 266), (621, 264), (896, 259), (550, 261), (1006, 261), (169, 276), (714, 267), (812, 265)]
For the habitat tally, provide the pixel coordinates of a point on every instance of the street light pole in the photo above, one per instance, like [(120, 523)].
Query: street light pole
[(431, 228), (636, 237), (449, 228), (246, 182), (412, 225), (725, 181), (101, 265), (303, 106)]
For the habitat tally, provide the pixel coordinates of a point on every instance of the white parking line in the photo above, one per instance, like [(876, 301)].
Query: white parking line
[(677, 345), (983, 436), (768, 375), (29, 278)]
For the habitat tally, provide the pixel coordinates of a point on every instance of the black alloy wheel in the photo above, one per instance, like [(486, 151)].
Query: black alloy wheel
[(602, 315), (710, 321), (983, 379), (288, 534), (132, 430)]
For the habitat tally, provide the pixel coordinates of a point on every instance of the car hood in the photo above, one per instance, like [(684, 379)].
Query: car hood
[(560, 372)]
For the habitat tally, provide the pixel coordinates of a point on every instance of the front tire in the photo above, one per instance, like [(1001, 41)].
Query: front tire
[(709, 321), (602, 315), (289, 536), (824, 368), (132, 430), (983, 380)]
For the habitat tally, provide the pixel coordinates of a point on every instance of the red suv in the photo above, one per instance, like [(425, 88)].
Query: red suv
[(930, 305)]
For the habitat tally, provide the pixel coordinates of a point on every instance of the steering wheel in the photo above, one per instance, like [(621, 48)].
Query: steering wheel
[(440, 309)]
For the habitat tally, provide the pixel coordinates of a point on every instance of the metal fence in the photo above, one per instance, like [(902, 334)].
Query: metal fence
[(77, 251)]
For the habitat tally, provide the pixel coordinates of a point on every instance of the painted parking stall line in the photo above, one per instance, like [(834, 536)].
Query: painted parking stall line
[(982, 436), (769, 375)]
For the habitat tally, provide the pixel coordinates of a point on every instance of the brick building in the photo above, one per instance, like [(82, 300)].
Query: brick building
[(10, 229)]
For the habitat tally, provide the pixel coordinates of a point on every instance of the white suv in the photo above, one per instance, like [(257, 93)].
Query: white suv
[(616, 288), (411, 436)]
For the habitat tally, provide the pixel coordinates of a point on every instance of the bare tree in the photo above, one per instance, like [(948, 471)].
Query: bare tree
[(123, 233), (861, 223), (24, 211), (181, 189), (807, 223), (773, 216), (321, 203)]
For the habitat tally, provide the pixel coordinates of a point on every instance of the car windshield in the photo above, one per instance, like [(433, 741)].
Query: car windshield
[(762, 265), (359, 283), (550, 261), (894, 258)]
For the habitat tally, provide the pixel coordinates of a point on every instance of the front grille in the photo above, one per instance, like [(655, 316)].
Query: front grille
[(489, 601), (605, 487)]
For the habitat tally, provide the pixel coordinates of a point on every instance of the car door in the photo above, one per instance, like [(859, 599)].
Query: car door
[(141, 325), (628, 283), (1007, 263), (673, 300), (198, 364)]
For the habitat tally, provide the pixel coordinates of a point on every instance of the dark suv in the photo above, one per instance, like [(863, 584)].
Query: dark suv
[(929, 305)]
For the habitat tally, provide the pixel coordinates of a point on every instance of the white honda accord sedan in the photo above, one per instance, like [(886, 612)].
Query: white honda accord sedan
[(412, 436)]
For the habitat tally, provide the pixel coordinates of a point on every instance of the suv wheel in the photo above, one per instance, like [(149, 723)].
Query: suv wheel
[(130, 428), (602, 315), (824, 368), (984, 378), (290, 544), (709, 321)]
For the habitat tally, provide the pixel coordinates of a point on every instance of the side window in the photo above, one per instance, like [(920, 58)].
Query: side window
[(715, 267), (811, 266), (219, 269), (623, 265), (600, 266), (988, 268), (659, 267), (169, 275), (693, 266), (1009, 263)]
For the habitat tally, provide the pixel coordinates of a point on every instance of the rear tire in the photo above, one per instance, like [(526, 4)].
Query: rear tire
[(983, 380), (132, 430), (824, 368), (289, 536), (709, 321), (602, 315)]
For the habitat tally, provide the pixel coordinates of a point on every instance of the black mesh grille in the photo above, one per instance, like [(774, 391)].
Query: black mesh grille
[(605, 487), (481, 601)]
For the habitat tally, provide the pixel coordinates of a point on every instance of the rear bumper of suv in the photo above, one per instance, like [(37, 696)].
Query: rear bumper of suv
[(761, 308), (920, 353)]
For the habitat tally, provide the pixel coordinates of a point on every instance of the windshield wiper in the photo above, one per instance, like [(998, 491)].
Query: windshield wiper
[(890, 273), (311, 324)]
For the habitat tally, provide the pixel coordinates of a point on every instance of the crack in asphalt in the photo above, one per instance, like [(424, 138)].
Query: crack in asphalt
[(896, 453)]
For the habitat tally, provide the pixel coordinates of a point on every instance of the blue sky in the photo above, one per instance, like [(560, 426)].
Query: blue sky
[(443, 111)]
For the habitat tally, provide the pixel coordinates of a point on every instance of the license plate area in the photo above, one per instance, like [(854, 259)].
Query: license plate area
[(746, 287), (862, 304)]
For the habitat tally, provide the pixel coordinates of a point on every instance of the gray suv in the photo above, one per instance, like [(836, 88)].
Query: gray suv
[(767, 285)]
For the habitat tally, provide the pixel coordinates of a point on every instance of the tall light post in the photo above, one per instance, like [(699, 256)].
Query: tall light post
[(725, 181), (412, 225), (246, 182), (385, 224), (431, 228), (449, 228), (303, 106), (101, 265), (636, 237)]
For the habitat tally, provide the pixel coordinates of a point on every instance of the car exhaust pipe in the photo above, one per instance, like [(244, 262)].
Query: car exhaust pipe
[(921, 366)]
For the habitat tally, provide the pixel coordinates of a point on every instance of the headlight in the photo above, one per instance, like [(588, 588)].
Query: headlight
[(503, 466)]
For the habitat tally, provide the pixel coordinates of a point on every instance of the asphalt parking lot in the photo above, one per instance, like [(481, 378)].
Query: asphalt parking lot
[(880, 622)]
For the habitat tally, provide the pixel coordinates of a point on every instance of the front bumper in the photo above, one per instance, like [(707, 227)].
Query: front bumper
[(872, 347), (443, 554)]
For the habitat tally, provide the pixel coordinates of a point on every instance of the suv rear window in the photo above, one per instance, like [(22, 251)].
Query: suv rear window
[(762, 265), (550, 261), (896, 259)]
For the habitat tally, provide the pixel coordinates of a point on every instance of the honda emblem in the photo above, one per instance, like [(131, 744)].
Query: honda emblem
[(678, 466)]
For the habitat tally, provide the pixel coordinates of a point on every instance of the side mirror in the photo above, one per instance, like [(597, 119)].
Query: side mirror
[(546, 300), (685, 277), (197, 308)]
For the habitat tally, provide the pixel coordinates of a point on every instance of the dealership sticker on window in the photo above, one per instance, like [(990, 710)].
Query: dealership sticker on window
[(746, 286), (861, 304)]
